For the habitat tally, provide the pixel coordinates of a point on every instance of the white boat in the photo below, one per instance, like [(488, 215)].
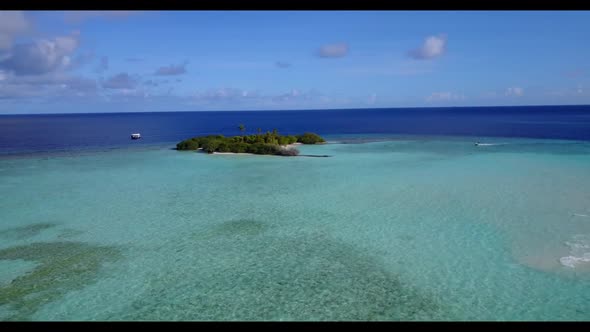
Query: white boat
[(136, 136)]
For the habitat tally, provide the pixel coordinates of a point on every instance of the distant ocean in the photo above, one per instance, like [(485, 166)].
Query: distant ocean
[(407, 219), (58, 132)]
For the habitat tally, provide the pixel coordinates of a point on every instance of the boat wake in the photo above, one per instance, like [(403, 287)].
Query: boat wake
[(579, 251), (489, 144)]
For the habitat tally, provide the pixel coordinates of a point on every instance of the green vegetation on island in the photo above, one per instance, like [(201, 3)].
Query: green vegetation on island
[(310, 138), (270, 143)]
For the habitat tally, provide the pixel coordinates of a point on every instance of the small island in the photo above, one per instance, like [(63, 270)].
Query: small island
[(270, 143)]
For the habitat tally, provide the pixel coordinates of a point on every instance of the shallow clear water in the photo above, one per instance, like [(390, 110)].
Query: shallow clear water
[(406, 229)]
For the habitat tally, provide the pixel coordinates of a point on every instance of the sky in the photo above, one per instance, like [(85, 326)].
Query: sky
[(157, 61)]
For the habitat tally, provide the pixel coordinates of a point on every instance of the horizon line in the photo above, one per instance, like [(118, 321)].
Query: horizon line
[(305, 110)]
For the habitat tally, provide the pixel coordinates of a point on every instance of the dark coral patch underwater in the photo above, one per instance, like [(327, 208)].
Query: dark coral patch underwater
[(63, 267)]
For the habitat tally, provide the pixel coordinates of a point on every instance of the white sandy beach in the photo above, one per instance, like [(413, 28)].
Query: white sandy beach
[(289, 146)]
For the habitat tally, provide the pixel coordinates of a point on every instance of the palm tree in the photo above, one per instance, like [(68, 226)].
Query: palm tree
[(242, 128)]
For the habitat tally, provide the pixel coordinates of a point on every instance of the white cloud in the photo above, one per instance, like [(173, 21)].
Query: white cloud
[(151, 83), (570, 92), (514, 91), (12, 23), (171, 70), (333, 50), (121, 81), (47, 86), (233, 97), (444, 97), (433, 47), (224, 95), (41, 56)]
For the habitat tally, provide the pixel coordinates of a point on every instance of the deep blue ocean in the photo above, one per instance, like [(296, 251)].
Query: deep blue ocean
[(63, 132)]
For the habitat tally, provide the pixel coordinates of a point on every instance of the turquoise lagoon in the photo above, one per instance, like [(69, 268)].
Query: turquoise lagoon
[(387, 228)]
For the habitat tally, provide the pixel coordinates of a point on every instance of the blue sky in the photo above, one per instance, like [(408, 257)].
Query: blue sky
[(63, 62)]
